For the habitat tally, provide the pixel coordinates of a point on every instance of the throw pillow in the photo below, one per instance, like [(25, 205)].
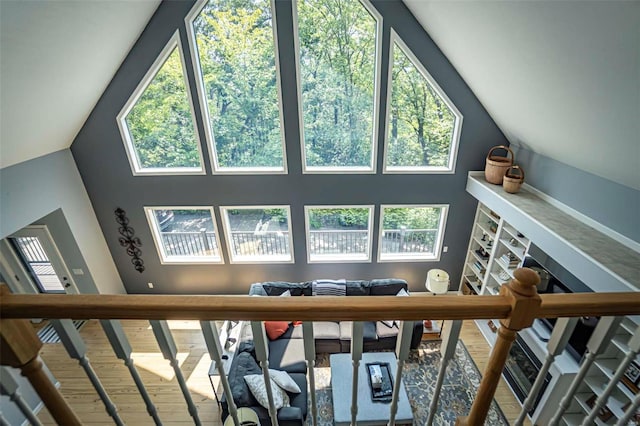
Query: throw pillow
[(284, 380), (388, 323), (329, 288), (402, 292), (275, 329), (259, 390)]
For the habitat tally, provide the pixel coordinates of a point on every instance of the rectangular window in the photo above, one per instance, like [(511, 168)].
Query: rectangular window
[(258, 234), (235, 59), (411, 233), (338, 233), (338, 46), (185, 234)]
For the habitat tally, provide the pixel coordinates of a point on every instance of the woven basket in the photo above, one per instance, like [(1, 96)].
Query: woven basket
[(512, 181), (496, 166)]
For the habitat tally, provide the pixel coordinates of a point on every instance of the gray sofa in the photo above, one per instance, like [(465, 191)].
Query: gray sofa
[(287, 352), (335, 336)]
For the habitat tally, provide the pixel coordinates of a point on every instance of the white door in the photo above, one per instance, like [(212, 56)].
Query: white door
[(42, 261)]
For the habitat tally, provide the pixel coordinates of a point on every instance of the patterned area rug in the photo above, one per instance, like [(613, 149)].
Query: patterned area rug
[(419, 376)]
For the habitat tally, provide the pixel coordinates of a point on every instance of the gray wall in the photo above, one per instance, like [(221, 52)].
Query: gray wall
[(102, 161), (613, 205), (36, 188)]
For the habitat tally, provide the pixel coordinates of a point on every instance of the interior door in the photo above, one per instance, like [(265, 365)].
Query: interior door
[(42, 261)]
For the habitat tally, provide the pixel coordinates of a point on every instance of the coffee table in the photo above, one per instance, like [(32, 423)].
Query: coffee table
[(370, 412)]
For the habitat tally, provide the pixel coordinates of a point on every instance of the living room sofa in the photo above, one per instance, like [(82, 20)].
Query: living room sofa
[(287, 351)]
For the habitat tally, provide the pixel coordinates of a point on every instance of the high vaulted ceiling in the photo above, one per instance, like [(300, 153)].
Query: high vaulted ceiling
[(560, 78), (56, 59)]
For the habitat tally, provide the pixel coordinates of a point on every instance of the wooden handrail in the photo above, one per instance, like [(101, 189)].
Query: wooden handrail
[(517, 305), (203, 307)]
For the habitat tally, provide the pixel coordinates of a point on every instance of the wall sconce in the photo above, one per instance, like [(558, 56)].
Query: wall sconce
[(437, 281)]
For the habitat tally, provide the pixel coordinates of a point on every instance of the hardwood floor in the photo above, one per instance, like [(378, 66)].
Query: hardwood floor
[(159, 379)]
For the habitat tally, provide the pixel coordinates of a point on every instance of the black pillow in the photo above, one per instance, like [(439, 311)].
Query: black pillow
[(242, 365)]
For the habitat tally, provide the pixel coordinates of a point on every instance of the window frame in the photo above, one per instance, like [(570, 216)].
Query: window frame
[(394, 40), (444, 213), (157, 239), (376, 97), (339, 258), (136, 168), (228, 240), (204, 106)]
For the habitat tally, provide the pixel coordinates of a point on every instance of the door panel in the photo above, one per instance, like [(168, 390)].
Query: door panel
[(40, 256)]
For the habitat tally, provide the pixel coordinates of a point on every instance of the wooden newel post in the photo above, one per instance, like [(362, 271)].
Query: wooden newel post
[(20, 348), (525, 304)]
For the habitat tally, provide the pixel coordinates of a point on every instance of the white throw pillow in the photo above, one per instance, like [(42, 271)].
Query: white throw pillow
[(388, 323), (259, 391), (284, 380), (402, 292)]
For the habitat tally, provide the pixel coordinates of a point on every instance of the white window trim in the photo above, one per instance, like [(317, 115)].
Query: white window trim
[(129, 147), (204, 106), (414, 257), (256, 259), (181, 260), (457, 126), (339, 258), (376, 99)]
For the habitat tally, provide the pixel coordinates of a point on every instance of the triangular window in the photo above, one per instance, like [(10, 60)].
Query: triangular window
[(423, 125), (157, 122)]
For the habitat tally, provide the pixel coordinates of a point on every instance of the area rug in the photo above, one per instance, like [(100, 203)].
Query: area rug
[(419, 376)]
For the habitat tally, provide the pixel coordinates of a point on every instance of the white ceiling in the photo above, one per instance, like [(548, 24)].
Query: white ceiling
[(561, 78), (56, 59)]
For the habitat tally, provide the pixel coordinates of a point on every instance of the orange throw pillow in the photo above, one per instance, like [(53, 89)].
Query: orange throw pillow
[(275, 329)]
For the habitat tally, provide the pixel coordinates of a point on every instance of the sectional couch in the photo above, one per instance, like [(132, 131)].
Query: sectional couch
[(287, 351)]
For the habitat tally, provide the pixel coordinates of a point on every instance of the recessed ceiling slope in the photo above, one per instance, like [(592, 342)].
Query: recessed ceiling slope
[(57, 57), (560, 78)]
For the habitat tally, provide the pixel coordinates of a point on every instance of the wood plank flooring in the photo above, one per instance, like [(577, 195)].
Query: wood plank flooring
[(159, 379)]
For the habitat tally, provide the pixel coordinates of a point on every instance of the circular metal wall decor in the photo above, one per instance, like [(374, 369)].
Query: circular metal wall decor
[(129, 240)]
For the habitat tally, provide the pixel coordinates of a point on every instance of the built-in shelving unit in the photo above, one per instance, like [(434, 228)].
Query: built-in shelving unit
[(602, 260), (599, 376), (495, 250)]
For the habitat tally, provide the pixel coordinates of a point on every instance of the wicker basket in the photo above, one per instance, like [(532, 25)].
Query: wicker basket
[(496, 166), (512, 181)]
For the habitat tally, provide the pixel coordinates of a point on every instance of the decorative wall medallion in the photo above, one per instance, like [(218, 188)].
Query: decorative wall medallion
[(129, 240)]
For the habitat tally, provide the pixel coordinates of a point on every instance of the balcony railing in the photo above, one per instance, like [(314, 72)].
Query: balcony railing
[(189, 243), (517, 305), (339, 241)]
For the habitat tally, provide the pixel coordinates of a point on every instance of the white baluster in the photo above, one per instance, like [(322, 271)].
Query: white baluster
[(450, 337), (634, 348), (557, 342), (212, 340), (169, 351), (357, 334), (72, 342), (121, 347), (262, 354), (310, 356), (631, 411), (403, 344), (598, 342), (10, 388)]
